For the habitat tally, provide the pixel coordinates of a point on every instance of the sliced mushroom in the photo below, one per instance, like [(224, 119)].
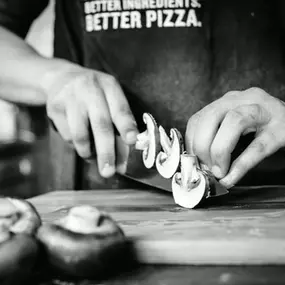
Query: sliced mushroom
[(190, 186), (167, 161), (148, 141), (82, 244), (18, 247)]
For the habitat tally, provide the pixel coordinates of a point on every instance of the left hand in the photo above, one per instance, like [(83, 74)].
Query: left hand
[(213, 132)]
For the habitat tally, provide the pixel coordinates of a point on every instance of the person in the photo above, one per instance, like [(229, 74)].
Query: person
[(212, 69)]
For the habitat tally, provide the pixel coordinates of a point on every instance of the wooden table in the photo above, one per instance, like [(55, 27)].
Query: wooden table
[(213, 245)]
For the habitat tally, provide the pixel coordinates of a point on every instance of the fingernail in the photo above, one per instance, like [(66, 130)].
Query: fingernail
[(131, 136), (122, 167), (217, 171), (108, 170)]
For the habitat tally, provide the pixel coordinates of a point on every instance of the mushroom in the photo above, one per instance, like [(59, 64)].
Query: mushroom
[(190, 186), (148, 141), (194, 183), (83, 243), (28, 218), (18, 247), (167, 161)]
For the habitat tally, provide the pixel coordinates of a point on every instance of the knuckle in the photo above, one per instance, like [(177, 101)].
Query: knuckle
[(254, 111), (217, 153), (111, 79), (86, 77), (236, 117), (85, 81), (104, 126), (256, 93), (199, 149), (192, 121), (240, 166), (84, 152), (260, 146), (106, 157), (274, 138), (255, 90), (53, 107), (231, 94), (122, 113), (81, 139), (67, 138)]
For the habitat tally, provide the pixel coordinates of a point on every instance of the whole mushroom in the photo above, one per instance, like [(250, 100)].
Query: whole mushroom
[(167, 161), (18, 247), (148, 141), (83, 243)]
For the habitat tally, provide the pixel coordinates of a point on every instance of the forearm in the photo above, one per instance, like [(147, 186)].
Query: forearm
[(23, 71)]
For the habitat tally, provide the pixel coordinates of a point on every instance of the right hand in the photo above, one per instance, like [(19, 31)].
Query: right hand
[(80, 100)]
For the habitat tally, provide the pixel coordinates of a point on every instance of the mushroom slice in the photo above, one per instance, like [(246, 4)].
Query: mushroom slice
[(167, 161), (148, 141), (83, 243), (194, 183), (190, 186)]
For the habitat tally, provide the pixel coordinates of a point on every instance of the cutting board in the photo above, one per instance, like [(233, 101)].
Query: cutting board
[(246, 227)]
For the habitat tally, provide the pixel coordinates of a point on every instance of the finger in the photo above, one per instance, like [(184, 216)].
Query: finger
[(78, 126), (61, 125), (234, 125), (120, 111), (206, 130), (190, 133), (122, 154), (102, 129), (265, 144)]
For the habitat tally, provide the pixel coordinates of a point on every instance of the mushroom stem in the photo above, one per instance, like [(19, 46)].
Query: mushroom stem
[(4, 233), (142, 140), (81, 219), (86, 219), (164, 141), (189, 173)]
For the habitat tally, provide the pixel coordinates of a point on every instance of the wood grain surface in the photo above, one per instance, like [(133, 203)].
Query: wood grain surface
[(247, 227)]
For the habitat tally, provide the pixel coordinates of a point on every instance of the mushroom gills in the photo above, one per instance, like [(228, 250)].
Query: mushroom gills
[(167, 160), (148, 141)]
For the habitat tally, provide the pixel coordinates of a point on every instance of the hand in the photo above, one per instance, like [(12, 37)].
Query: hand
[(212, 133), (85, 105)]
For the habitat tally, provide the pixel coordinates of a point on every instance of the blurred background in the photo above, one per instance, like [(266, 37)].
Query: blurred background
[(25, 160)]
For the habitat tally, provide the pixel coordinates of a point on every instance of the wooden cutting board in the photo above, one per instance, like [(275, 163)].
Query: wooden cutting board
[(246, 227)]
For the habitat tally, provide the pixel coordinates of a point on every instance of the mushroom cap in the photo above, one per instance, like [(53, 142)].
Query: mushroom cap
[(82, 249), (149, 154), (167, 165), (189, 198)]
